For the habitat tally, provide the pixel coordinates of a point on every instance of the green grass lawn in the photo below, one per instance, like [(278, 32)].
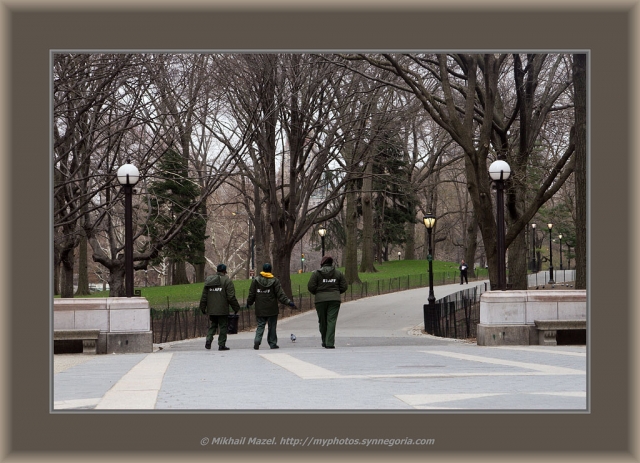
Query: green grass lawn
[(182, 295)]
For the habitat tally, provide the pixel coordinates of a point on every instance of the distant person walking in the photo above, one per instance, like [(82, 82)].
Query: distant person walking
[(463, 272), (326, 285), (218, 295), (266, 291)]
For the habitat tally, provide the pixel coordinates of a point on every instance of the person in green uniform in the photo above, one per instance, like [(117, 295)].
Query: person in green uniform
[(266, 291), (326, 285), (218, 295)]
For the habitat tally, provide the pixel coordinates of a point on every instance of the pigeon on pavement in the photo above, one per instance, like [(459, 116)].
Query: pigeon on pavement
[(293, 338)]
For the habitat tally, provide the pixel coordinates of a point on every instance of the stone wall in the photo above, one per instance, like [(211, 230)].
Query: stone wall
[(124, 323), (507, 317)]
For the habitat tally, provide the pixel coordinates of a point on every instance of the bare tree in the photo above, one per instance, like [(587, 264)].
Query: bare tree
[(464, 93), (284, 104), (105, 112)]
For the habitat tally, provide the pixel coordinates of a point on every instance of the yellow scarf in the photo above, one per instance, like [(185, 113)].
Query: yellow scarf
[(266, 274)]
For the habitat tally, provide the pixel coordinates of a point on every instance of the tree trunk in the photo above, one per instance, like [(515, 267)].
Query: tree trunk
[(261, 231), (56, 271), (179, 276), (282, 265), (116, 279), (480, 193), (67, 260), (471, 244), (199, 272), (366, 266), (580, 88), (517, 263), (83, 268), (351, 230)]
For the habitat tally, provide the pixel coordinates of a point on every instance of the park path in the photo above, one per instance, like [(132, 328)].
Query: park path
[(382, 361)]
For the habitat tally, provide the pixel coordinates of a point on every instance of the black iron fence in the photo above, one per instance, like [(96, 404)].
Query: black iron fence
[(456, 315), (174, 324)]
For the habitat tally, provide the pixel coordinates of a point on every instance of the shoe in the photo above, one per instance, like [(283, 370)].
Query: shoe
[(275, 347), (256, 346), (223, 348), (207, 345), (329, 347)]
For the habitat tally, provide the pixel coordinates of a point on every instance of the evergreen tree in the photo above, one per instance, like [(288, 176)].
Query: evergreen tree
[(168, 197), (394, 199)]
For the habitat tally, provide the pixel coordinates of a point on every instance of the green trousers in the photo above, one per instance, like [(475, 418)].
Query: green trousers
[(271, 322), (216, 321), (327, 318)]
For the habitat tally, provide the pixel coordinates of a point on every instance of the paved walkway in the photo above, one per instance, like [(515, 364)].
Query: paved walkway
[(382, 361)]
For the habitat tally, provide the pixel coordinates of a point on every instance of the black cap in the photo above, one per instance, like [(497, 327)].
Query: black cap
[(267, 267), (221, 268), (326, 260)]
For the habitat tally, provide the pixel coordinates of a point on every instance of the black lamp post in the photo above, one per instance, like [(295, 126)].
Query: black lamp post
[(322, 231), (500, 171), (560, 238), (128, 176), (551, 280), (533, 248), (399, 253), (429, 222)]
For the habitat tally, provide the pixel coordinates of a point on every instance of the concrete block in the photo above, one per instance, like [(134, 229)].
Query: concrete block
[(571, 310), (129, 320), (129, 343), (504, 296), (127, 303), (506, 335), (541, 310), (543, 295), (64, 320), (502, 313), (88, 303), (75, 334), (101, 344), (128, 317), (92, 319)]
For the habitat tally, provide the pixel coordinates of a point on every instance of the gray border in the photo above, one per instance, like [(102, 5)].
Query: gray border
[(617, 436)]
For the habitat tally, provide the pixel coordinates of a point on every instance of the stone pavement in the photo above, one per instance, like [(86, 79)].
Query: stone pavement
[(382, 361)]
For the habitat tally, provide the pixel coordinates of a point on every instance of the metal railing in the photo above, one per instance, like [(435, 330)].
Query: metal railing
[(456, 315), (177, 323), (559, 276)]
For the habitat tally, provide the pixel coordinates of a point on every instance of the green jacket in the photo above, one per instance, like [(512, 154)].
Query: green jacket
[(266, 291), (217, 295), (327, 284)]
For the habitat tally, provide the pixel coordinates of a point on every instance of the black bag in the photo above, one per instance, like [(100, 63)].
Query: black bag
[(232, 323)]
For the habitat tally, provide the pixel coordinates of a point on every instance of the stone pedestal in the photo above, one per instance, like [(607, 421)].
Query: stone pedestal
[(508, 317), (124, 322)]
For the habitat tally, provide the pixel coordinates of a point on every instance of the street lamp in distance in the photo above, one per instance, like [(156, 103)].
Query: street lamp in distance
[(499, 171), (560, 238), (128, 176), (399, 254), (551, 280), (533, 248), (429, 221), (322, 232)]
